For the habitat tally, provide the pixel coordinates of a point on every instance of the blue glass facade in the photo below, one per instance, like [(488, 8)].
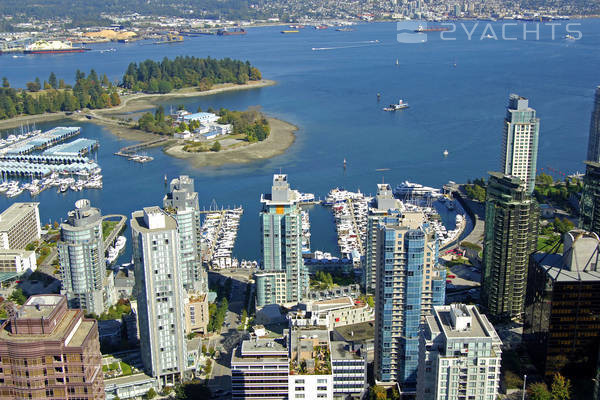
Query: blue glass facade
[(409, 284)]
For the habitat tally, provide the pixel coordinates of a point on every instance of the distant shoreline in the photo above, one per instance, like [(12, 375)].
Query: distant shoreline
[(132, 103), (281, 137)]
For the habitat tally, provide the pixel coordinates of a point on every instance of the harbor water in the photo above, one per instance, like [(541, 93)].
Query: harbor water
[(457, 91)]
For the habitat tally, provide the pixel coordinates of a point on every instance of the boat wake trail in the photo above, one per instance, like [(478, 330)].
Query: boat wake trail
[(365, 43)]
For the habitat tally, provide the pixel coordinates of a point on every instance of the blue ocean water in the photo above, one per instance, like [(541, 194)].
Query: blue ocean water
[(457, 90)]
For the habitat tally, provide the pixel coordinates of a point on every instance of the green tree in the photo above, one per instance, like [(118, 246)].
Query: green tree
[(115, 100), (538, 391), (52, 80), (560, 388), (377, 393), (151, 394), (5, 83), (18, 296), (216, 146)]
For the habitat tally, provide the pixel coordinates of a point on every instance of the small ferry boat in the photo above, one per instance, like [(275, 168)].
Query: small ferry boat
[(395, 107)]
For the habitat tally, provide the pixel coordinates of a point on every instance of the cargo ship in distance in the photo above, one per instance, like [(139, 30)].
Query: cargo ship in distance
[(226, 32), (53, 47), (432, 29)]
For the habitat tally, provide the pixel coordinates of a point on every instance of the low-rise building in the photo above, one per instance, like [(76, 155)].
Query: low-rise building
[(17, 261), (50, 351), (202, 117), (20, 225), (124, 282), (260, 369), (352, 290), (311, 375), (459, 355), (303, 364), (331, 313), (349, 371), (129, 387), (196, 313), (109, 332)]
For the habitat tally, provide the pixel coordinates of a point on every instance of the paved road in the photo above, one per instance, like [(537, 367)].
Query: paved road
[(229, 337)]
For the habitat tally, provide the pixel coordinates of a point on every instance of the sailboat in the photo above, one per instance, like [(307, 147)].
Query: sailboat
[(397, 62)]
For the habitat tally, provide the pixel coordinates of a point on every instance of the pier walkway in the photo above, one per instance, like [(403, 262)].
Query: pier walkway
[(117, 229), (129, 151)]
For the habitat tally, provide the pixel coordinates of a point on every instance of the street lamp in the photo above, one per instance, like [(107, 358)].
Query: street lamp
[(524, 383)]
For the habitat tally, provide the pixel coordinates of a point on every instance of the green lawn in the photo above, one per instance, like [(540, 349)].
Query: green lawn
[(546, 243), (107, 228)]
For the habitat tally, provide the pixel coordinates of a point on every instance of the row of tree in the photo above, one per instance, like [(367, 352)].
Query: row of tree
[(162, 77), (252, 123), (88, 92)]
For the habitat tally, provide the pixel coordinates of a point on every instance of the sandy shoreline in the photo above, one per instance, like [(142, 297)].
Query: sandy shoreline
[(281, 137), (282, 134)]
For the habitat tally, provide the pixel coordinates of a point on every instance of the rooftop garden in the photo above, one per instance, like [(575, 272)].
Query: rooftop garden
[(322, 363)]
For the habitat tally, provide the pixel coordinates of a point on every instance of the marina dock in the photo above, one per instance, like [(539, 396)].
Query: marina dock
[(35, 141), (350, 210), (219, 231), (129, 152), (78, 147)]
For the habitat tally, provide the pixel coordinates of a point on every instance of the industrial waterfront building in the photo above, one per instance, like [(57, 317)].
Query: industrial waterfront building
[(48, 351), (459, 355), (384, 202), (593, 152), (589, 206), (409, 284), (20, 225), (283, 277), (562, 308), (85, 280), (520, 141), (510, 237), (160, 294)]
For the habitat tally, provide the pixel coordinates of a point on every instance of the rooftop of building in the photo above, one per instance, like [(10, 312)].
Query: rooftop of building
[(82, 216), (14, 213), (12, 253), (341, 301), (310, 351), (340, 350), (261, 350), (39, 306), (557, 271), (59, 333), (579, 262), (457, 321), (361, 332), (144, 220), (200, 115), (127, 380)]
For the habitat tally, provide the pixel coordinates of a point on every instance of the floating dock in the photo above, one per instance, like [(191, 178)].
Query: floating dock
[(78, 147), (41, 141), (21, 169)]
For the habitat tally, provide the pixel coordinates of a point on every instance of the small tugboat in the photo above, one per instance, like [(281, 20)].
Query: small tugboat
[(395, 107)]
